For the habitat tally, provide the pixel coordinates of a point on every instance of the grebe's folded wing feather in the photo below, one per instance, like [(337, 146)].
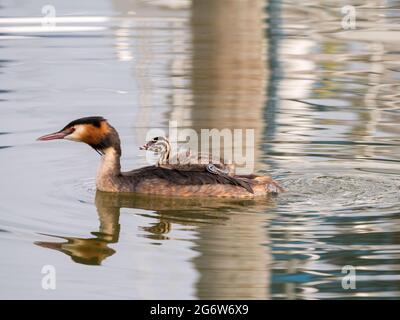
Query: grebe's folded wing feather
[(193, 174)]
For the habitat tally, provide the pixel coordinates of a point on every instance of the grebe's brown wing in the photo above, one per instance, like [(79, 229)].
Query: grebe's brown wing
[(193, 174), (195, 167), (185, 159)]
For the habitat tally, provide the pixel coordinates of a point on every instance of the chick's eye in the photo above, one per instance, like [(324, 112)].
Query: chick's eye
[(155, 139)]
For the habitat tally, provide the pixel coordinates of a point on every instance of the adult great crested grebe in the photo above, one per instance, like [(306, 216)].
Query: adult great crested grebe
[(176, 180)]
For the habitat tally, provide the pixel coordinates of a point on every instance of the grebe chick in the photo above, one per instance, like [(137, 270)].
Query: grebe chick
[(161, 146), (183, 181)]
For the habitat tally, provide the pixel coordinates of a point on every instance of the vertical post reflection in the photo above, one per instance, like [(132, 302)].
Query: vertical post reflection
[(229, 66), (228, 82)]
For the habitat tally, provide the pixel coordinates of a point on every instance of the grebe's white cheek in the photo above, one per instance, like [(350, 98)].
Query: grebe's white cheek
[(71, 138), (77, 134)]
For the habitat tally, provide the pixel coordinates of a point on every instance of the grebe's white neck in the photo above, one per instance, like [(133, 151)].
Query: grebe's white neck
[(109, 170)]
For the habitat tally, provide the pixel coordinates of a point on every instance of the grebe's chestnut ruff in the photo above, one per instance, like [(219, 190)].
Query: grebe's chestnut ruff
[(187, 180)]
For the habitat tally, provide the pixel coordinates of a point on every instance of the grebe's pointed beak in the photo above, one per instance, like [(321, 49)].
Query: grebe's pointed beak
[(56, 135)]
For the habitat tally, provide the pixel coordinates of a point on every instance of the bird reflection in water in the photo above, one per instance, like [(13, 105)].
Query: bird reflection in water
[(182, 211), (91, 251)]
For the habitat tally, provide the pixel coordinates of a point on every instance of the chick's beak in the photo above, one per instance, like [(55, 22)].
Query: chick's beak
[(144, 147), (56, 135)]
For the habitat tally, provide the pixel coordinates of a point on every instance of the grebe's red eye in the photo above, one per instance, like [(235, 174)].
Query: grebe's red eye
[(70, 130)]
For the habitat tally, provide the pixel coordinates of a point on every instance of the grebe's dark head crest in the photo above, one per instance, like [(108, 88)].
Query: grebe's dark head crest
[(94, 131)]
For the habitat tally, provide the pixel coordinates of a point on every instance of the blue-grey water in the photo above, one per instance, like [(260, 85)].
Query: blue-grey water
[(325, 107)]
